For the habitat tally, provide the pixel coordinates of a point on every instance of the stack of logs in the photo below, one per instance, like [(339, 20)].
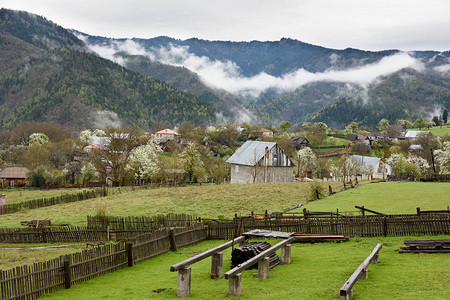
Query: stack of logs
[(426, 246), (245, 252)]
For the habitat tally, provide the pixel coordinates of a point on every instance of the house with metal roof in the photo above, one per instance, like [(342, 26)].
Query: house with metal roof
[(375, 167), (412, 135), (260, 162)]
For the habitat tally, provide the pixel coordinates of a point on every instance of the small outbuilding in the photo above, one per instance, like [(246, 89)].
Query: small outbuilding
[(259, 162), (14, 175)]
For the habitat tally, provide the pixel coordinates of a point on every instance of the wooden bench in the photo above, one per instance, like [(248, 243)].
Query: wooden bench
[(184, 269), (234, 275), (361, 272)]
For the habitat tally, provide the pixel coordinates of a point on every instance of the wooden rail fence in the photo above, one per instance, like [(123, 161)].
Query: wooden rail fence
[(361, 272), (37, 203), (32, 281)]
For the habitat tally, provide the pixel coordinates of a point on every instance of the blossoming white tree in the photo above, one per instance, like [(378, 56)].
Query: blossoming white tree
[(39, 138), (443, 158), (144, 160)]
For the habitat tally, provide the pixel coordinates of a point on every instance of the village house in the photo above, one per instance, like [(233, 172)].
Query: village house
[(373, 167), (261, 133), (260, 162), (413, 135), (166, 135), (299, 142), (13, 175)]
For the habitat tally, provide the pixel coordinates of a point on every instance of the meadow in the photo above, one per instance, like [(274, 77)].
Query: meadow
[(16, 195), (437, 130), (317, 271), (223, 201)]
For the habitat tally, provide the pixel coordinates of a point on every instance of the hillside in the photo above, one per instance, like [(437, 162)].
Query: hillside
[(48, 73), (295, 81), (46, 77)]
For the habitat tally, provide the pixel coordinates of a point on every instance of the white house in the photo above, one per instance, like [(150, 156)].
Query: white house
[(259, 162), (375, 167)]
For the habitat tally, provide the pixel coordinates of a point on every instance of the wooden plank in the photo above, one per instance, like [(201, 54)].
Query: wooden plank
[(348, 285), (203, 255)]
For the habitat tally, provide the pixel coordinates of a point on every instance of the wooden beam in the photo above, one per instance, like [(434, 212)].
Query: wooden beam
[(360, 272), (206, 254), (242, 267), (368, 210)]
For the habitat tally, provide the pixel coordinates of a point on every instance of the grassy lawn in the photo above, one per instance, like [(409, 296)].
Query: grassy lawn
[(25, 194), (331, 141), (10, 258), (213, 201), (208, 201), (389, 198), (317, 271), (437, 130)]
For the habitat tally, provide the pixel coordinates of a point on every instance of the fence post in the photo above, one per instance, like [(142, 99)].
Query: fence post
[(286, 254), (235, 286), (263, 268), (107, 233), (384, 226), (184, 282), (216, 265), (418, 211), (44, 235), (129, 249), (67, 274), (173, 245)]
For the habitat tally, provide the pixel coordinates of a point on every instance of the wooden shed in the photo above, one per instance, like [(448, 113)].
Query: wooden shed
[(258, 162), (14, 175)]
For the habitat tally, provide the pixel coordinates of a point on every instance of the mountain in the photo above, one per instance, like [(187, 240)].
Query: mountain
[(292, 80), (47, 74)]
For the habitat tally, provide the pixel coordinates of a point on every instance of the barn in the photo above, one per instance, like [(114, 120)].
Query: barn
[(259, 162)]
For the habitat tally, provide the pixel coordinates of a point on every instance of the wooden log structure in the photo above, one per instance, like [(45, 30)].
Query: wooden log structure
[(426, 246), (234, 275), (361, 272), (184, 276)]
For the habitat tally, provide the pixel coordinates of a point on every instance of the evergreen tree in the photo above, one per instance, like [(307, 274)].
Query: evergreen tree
[(445, 116)]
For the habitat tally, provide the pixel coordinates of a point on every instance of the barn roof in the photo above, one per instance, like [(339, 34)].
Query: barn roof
[(250, 153), (366, 160), (13, 171)]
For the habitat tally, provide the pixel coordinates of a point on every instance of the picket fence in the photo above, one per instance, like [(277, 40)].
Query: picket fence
[(37, 203), (356, 226), (32, 281)]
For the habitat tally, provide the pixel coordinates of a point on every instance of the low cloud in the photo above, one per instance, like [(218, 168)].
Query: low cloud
[(226, 74), (104, 119)]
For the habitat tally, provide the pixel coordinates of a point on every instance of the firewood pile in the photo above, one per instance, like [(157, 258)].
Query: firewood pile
[(426, 246), (243, 253)]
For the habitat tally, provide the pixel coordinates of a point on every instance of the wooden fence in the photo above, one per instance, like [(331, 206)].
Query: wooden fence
[(361, 226), (32, 281), (51, 235), (152, 223), (37, 203)]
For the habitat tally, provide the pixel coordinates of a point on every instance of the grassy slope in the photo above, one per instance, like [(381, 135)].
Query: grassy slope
[(388, 197), (437, 130), (26, 194), (12, 258), (226, 200), (309, 276)]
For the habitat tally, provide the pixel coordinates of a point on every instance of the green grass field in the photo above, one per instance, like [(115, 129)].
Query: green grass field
[(317, 271), (214, 201), (16, 195), (10, 258), (437, 130)]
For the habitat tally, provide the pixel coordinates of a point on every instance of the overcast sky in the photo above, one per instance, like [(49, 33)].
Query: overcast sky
[(369, 25)]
